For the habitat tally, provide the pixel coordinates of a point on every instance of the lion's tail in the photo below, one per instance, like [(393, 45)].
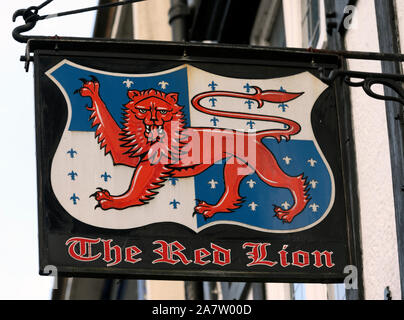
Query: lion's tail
[(291, 127)]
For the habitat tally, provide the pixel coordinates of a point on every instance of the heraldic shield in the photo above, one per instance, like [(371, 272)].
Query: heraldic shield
[(190, 147)]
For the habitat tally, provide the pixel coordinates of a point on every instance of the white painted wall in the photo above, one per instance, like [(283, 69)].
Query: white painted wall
[(292, 11), (278, 291), (151, 20), (316, 291), (377, 215), (165, 290)]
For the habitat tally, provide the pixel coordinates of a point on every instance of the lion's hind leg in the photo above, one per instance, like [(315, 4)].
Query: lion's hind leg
[(299, 190), (234, 171), (267, 168)]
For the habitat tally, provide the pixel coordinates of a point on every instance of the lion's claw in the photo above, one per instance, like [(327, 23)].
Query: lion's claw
[(206, 210), (90, 88), (284, 216), (103, 197)]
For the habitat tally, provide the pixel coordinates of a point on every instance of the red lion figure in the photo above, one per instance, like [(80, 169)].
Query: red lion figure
[(155, 141)]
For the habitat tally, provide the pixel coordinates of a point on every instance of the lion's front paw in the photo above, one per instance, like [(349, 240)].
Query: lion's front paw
[(90, 88)]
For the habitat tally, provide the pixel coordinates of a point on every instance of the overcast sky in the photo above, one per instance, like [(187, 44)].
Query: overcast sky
[(19, 277)]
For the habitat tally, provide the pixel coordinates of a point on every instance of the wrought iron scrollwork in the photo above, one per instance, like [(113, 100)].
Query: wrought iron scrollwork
[(31, 17), (367, 80)]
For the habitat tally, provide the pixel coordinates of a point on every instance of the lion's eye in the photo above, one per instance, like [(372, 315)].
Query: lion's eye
[(163, 111), (142, 110)]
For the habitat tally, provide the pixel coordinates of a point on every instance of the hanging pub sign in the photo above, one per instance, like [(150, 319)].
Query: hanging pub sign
[(188, 161)]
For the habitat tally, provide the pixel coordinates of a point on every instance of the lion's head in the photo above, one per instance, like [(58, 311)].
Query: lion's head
[(153, 123)]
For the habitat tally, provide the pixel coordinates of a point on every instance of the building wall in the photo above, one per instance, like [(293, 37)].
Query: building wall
[(292, 16), (278, 291), (165, 290), (377, 212), (151, 20)]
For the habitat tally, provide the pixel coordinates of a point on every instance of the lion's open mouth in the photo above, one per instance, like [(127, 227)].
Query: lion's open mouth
[(154, 133), (159, 129)]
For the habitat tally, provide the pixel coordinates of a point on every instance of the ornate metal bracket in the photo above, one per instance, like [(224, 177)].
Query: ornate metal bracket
[(367, 80), (31, 17)]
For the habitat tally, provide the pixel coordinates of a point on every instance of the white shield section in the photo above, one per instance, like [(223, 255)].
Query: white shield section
[(298, 110), (89, 163)]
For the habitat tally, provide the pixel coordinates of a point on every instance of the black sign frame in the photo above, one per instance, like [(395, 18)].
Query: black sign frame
[(56, 226)]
